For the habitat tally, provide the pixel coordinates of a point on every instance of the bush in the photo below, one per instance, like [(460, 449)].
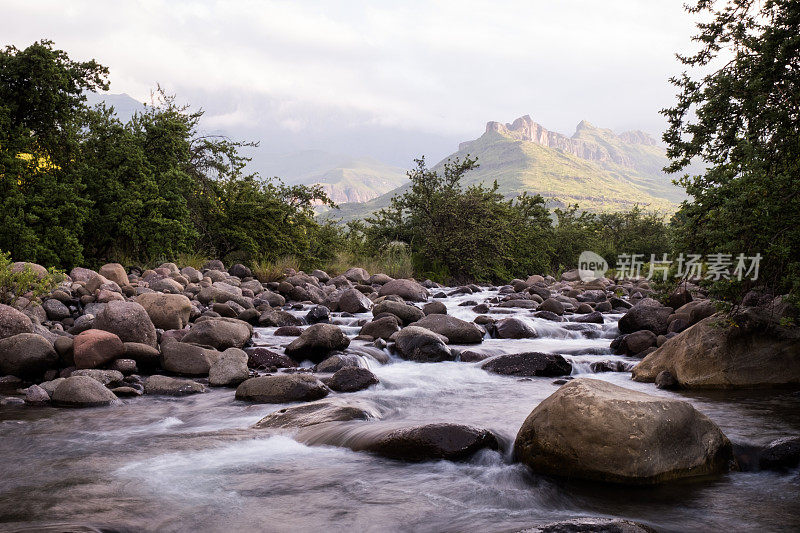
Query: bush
[(17, 282)]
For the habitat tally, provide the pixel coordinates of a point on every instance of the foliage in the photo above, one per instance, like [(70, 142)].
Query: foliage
[(742, 119), (19, 280), (265, 270)]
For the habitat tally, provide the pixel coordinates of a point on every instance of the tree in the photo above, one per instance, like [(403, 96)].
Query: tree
[(742, 119)]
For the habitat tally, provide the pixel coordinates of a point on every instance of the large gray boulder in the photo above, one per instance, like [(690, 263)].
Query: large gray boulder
[(351, 379), (514, 328), (316, 342), (592, 429), (229, 370), (407, 289), (715, 355), (382, 328), (529, 364), (282, 388), (221, 333), (320, 412), (26, 355), (94, 348), (128, 321), (219, 292), (82, 391), (166, 311), (188, 359), (354, 301), (13, 322), (422, 345), (646, 314), (169, 386), (405, 312), (456, 330)]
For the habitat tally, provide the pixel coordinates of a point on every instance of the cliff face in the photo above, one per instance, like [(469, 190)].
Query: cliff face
[(587, 142)]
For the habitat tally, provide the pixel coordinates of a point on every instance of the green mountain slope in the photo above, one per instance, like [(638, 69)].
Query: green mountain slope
[(595, 168)]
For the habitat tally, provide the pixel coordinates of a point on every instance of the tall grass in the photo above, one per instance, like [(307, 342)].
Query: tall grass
[(266, 271), (393, 260)]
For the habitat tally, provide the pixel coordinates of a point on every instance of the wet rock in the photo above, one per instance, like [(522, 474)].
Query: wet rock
[(472, 356), (422, 345), (50, 386), (128, 321), (529, 364), (337, 362), (188, 359), (592, 429), (548, 315), (36, 395), (316, 342), (665, 380), (282, 388), (320, 412), (219, 292), (408, 289), (514, 328), (126, 391), (609, 366), (264, 358), (13, 322), (279, 319), (592, 525), (221, 333), (318, 314), (594, 317), (94, 348), (82, 391), (552, 305), (351, 379), (104, 377), (55, 310), (382, 328), (169, 386), (434, 308), (166, 311), (781, 454), (405, 312), (647, 314), (145, 355), (354, 301), (125, 366), (26, 355), (230, 369), (639, 341), (456, 330), (452, 442)]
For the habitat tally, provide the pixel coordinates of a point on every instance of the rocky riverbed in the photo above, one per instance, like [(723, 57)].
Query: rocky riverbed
[(182, 399)]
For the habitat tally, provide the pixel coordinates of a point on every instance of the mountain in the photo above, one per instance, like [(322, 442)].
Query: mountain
[(124, 105), (595, 168), (344, 178)]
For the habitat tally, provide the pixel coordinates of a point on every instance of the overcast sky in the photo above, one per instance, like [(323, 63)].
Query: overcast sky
[(388, 79)]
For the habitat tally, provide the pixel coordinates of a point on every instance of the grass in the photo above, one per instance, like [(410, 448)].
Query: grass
[(266, 271), (394, 261)]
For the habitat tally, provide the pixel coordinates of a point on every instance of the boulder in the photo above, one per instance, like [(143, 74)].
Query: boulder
[(13, 322), (316, 342), (408, 289), (55, 310), (26, 355), (219, 292), (552, 305), (260, 357), (351, 379), (592, 525), (240, 271), (434, 308), (405, 312), (356, 275), (167, 286), (166, 311), (646, 314), (456, 330), (337, 362), (714, 355), (188, 359), (637, 342), (382, 328), (128, 321), (230, 369), (592, 429), (221, 333), (354, 301), (94, 348), (282, 388), (781, 454), (437, 441), (82, 274), (422, 345), (114, 272), (318, 314), (168, 386), (36, 395), (529, 364), (320, 412), (514, 328), (593, 317), (82, 391), (104, 377), (144, 354), (279, 319)]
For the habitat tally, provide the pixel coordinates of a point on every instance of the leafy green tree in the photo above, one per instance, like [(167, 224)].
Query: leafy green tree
[(738, 111), (41, 102)]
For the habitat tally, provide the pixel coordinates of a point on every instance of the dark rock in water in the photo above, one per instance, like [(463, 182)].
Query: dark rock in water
[(481, 308), (592, 525), (381, 328), (619, 303), (318, 314), (82, 391), (422, 345), (781, 454), (562, 381), (407, 313), (230, 369), (639, 341), (169, 386), (316, 342), (514, 328), (440, 295), (595, 317), (337, 362), (552, 305), (456, 330), (529, 364), (408, 289), (430, 442), (188, 359), (354, 301), (221, 333), (548, 315), (646, 314), (288, 331), (279, 319), (616, 344), (592, 429), (603, 307), (609, 366), (36, 395), (523, 304), (263, 358), (351, 379), (472, 356), (282, 388), (468, 303), (665, 380), (320, 412), (434, 308)]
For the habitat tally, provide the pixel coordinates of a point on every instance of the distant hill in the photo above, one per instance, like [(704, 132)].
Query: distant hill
[(595, 168), (123, 105)]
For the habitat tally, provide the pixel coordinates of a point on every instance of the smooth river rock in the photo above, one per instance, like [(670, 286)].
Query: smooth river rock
[(282, 388)]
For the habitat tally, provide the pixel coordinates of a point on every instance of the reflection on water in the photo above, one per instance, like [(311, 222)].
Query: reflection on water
[(194, 463)]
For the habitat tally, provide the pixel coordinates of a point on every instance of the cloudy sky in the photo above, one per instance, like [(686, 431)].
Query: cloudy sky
[(386, 79)]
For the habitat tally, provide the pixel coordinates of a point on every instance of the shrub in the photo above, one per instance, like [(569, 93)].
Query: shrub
[(16, 282)]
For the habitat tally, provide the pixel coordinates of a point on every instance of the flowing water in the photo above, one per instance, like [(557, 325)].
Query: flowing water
[(195, 464)]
